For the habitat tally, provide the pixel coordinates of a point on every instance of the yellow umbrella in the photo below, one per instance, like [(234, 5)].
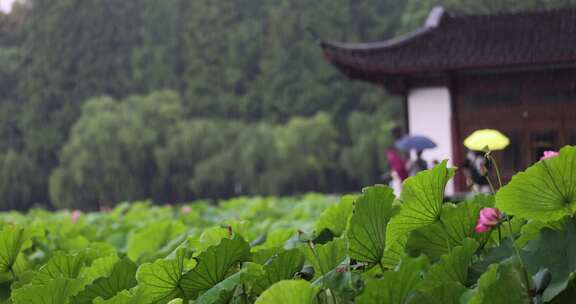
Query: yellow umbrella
[(484, 139)]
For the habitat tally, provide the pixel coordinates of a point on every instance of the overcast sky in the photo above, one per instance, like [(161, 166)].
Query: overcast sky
[(5, 5)]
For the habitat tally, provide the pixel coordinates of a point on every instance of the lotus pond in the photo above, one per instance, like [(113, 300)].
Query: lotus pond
[(517, 246)]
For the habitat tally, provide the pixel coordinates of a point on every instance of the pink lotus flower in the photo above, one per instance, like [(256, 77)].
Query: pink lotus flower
[(549, 154), (488, 218), (481, 228), (75, 216), (185, 209)]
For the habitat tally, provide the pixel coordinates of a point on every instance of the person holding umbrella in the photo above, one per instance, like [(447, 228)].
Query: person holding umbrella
[(419, 144), (476, 166), (417, 165), (476, 171)]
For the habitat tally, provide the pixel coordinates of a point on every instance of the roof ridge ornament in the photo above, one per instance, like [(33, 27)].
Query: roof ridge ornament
[(435, 17)]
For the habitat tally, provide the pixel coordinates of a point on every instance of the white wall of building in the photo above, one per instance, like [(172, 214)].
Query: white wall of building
[(6, 6), (429, 114)]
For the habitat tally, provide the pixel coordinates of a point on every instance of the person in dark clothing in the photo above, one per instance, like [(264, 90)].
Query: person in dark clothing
[(417, 164), (476, 168)]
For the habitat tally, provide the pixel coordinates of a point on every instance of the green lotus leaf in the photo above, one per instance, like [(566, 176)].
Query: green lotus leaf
[(555, 250), (280, 267), (335, 217), (56, 291), (566, 296), (214, 265), (152, 238), (100, 267), (326, 256), (121, 277), (61, 265), (277, 238), (545, 192), (209, 237), (14, 239), (501, 284), (491, 256), (454, 266), (160, 281), (421, 200), (222, 292), (345, 284), (367, 231), (456, 224), (531, 230), (289, 292), (124, 297), (88, 264), (441, 293), (396, 286), (263, 255)]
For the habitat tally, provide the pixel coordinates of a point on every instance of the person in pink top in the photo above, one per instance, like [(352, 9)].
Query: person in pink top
[(397, 162)]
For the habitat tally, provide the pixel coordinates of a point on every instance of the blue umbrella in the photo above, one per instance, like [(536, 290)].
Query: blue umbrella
[(414, 142)]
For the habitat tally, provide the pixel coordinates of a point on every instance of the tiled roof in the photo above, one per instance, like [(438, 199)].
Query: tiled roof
[(448, 43)]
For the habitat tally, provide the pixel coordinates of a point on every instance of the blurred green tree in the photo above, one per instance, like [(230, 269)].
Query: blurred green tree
[(17, 181), (275, 159), (73, 50), (109, 157), (190, 144), (365, 160)]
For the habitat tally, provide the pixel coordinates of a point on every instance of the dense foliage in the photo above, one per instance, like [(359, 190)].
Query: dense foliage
[(368, 248), (81, 79), (70, 71)]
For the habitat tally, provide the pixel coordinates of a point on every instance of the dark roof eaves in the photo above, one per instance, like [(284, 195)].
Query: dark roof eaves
[(435, 17), (407, 71), (378, 45)]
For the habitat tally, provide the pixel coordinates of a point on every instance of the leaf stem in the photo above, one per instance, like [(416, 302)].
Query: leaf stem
[(381, 266), (244, 293), (517, 251), (499, 236), (318, 298), (496, 168), (184, 298), (486, 239), (332, 296), (315, 253), (13, 274), (490, 184)]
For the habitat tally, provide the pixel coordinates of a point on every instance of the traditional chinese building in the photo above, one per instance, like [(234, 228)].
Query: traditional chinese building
[(514, 72)]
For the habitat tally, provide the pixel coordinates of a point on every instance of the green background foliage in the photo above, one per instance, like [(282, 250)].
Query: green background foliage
[(106, 100)]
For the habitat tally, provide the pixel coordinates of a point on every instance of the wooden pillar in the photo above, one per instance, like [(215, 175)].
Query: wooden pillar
[(458, 152)]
